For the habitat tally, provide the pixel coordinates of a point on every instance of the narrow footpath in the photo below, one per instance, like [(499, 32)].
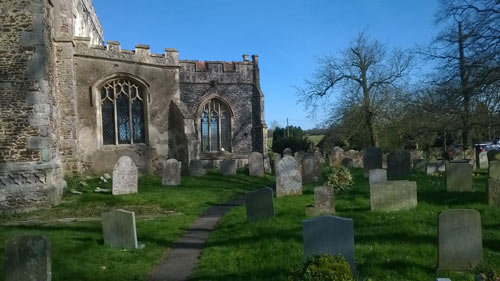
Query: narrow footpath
[(180, 260)]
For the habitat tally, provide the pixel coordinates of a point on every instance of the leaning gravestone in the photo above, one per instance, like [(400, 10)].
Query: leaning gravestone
[(494, 192), (493, 155), (259, 204), (256, 164), (311, 170), (419, 165), (393, 195), (324, 202), (458, 177), (118, 228), (196, 168), (288, 179), (372, 159), (483, 159), (398, 164), (377, 176), (172, 172), (27, 258), (124, 176), (228, 167), (494, 170), (460, 239), (329, 235)]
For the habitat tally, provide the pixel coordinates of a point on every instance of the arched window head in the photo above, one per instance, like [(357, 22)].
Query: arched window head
[(122, 105), (215, 127)]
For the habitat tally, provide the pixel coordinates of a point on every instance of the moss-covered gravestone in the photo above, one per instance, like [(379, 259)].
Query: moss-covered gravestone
[(393, 195), (118, 227), (27, 258), (458, 177), (228, 167), (172, 172), (256, 164), (398, 164), (259, 204)]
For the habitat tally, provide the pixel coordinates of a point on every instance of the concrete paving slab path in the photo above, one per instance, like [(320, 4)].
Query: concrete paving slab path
[(180, 260)]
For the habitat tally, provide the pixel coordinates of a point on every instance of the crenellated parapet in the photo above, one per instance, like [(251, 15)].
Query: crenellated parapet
[(221, 72), (113, 51)]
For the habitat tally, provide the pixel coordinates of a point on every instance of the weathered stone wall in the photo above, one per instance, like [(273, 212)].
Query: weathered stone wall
[(30, 167), (157, 73)]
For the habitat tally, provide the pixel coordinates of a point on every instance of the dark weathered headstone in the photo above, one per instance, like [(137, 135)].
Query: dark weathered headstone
[(228, 167), (259, 204), (393, 195), (348, 163), (494, 170), (419, 165), (125, 176), (458, 177), (377, 176), (329, 235), (288, 178), (196, 168), (28, 258), (398, 164), (311, 170), (460, 239), (172, 172), (324, 202), (118, 228), (372, 159), (494, 192), (256, 164)]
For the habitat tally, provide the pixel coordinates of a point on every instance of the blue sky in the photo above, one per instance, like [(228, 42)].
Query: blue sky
[(287, 35)]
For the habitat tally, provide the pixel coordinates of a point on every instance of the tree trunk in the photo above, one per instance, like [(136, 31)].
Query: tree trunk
[(464, 90)]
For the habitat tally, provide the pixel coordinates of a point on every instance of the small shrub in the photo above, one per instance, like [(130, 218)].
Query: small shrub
[(325, 267), (337, 177)]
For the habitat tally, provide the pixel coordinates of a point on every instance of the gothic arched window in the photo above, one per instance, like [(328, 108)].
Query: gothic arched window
[(122, 107), (215, 127)]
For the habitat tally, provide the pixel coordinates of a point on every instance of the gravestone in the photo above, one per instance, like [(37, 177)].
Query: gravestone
[(458, 177), (311, 170), (419, 165), (494, 170), (228, 167), (196, 168), (435, 167), (125, 176), (393, 195), (324, 202), (288, 179), (287, 151), (27, 258), (259, 204), (348, 163), (377, 176), (460, 240), (494, 192), (118, 228), (398, 164), (172, 172), (336, 156), (329, 235), (483, 159), (493, 155), (356, 156), (319, 157), (267, 165), (372, 159), (276, 160), (256, 164), (299, 157)]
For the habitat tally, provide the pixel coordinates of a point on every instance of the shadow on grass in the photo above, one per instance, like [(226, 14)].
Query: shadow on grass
[(440, 197), (261, 275)]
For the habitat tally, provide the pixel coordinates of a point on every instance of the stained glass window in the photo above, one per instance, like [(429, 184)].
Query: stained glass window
[(215, 127), (122, 105)]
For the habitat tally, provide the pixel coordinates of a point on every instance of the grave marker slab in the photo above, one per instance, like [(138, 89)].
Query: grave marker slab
[(494, 192), (377, 176), (118, 228), (124, 176), (311, 170), (324, 202), (458, 177), (256, 164), (398, 164), (267, 165), (287, 151), (259, 204), (393, 196), (28, 258), (460, 239), (329, 235), (483, 159), (172, 172), (372, 159), (196, 168), (494, 170), (419, 165), (228, 167), (288, 179)]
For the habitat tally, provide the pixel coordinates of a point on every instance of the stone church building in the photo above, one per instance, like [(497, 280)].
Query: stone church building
[(70, 103)]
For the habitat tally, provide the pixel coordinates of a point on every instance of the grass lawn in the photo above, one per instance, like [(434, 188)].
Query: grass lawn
[(388, 246), (162, 215)]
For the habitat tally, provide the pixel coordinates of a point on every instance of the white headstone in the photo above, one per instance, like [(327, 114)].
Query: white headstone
[(125, 176)]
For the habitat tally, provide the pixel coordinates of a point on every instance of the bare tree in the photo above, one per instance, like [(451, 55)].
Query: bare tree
[(363, 72)]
